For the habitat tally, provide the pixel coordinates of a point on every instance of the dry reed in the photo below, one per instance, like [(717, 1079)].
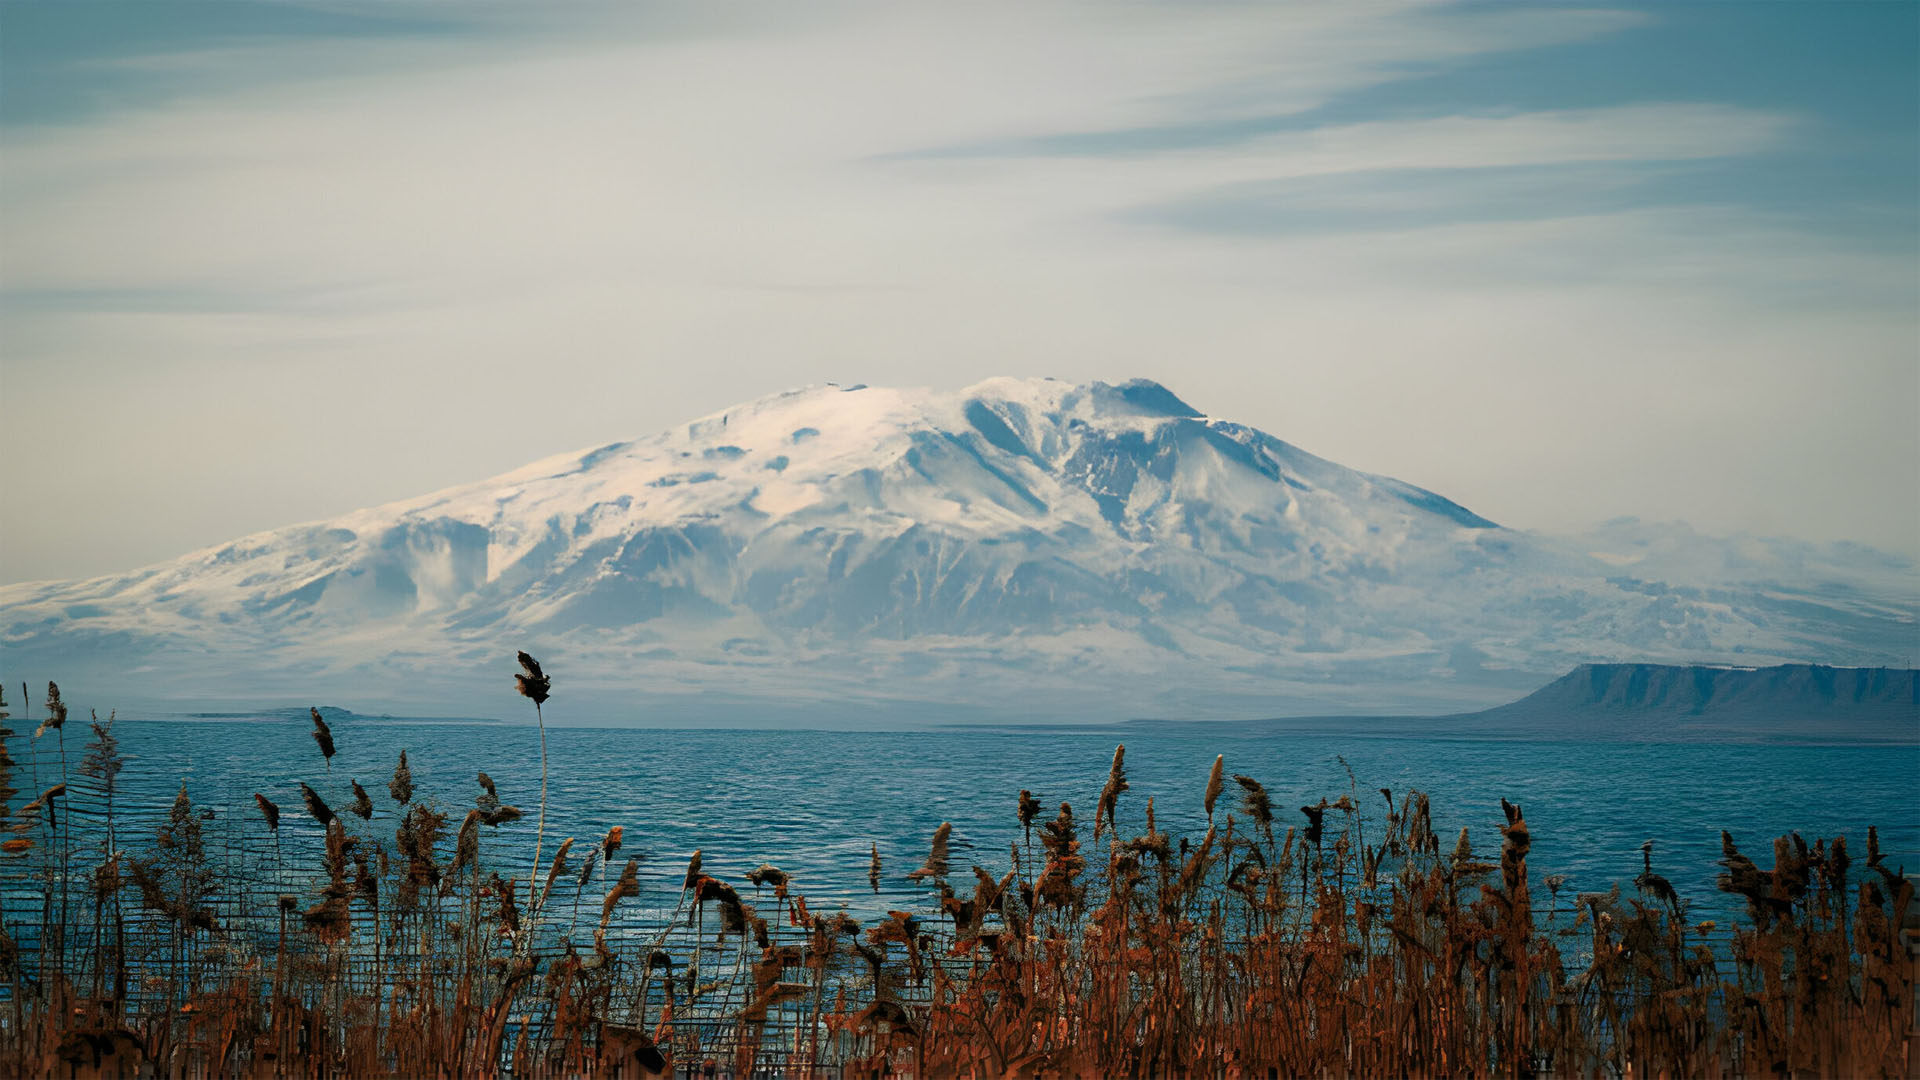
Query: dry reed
[(1347, 945)]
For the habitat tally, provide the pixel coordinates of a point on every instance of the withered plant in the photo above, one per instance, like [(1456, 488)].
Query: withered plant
[(1343, 938)]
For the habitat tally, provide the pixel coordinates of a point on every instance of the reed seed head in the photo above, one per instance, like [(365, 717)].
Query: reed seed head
[(627, 885), (102, 760), (767, 874), (559, 866), (1116, 784), (316, 806), (936, 864), (362, 805), (1316, 822), (1255, 798), (734, 915), (532, 682), (322, 734), (466, 844), (56, 712), (268, 810), (488, 800), (401, 786)]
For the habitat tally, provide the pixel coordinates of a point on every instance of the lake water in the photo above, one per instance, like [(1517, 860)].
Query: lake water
[(811, 802)]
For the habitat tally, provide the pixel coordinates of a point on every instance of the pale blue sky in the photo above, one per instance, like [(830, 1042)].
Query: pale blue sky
[(269, 263)]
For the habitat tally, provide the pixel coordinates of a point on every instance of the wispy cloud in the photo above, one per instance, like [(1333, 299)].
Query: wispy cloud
[(678, 207)]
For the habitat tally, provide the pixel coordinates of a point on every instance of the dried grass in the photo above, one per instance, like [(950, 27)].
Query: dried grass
[(1349, 946)]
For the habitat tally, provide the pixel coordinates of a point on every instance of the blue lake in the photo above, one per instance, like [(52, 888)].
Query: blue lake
[(811, 802)]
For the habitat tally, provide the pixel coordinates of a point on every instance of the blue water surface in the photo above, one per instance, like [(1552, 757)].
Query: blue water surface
[(811, 802)]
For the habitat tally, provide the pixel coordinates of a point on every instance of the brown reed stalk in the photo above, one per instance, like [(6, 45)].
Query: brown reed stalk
[(535, 685), (1353, 947), (56, 722), (1110, 794)]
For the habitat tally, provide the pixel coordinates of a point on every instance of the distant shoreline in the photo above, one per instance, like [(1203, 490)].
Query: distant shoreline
[(1782, 705)]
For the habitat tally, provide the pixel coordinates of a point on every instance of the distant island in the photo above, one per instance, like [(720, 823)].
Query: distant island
[(1786, 701), (1640, 702)]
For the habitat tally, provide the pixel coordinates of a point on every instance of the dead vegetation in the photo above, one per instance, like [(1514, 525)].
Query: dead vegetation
[(1346, 940)]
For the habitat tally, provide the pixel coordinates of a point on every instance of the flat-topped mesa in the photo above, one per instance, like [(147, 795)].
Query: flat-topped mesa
[(1715, 690)]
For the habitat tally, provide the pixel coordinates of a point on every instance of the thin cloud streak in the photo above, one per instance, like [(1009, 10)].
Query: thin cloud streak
[(300, 298)]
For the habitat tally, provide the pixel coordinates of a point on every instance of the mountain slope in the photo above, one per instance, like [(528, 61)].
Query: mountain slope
[(1020, 545), (1786, 700)]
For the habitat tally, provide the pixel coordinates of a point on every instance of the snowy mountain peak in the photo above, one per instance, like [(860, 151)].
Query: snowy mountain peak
[(1092, 465), (847, 542)]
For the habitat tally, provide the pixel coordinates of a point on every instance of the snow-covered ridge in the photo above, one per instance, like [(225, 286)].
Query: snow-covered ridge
[(906, 541)]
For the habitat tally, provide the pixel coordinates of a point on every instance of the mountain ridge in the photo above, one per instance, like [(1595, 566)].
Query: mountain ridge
[(1697, 690), (1019, 544), (1783, 700)]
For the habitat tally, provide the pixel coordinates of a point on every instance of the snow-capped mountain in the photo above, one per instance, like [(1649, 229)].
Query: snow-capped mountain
[(1024, 547)]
